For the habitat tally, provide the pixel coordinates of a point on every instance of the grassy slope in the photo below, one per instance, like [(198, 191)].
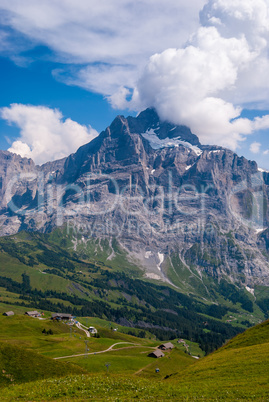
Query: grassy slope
[(28, 246), (173, 361), (18, 365), (237, 371), (104, 328), (27, 332), (128, 357), (258, 335)]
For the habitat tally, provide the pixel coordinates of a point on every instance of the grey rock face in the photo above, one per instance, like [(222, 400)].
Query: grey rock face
[(181, 211)]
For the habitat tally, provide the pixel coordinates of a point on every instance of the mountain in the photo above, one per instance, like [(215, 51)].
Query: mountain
[(186, 214)]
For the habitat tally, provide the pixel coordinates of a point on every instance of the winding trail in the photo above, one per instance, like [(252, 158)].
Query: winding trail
[(101, 351), (80, 326)]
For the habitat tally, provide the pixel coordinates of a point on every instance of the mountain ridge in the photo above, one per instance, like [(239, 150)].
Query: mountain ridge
[(185, 213)]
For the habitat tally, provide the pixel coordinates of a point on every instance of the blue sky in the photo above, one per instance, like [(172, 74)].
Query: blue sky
[(35, 85), (68, 68)]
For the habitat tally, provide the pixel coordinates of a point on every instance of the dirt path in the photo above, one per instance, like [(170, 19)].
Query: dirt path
[(80, 326), (101, 351)]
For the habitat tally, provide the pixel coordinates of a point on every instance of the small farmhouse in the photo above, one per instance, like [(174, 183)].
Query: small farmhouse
[(8, 313), (61, 316), (157, 353), (33, 313), (166, 346)]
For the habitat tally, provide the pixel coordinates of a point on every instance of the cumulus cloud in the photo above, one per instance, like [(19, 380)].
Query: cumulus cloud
[(248, 18), (199, 63), (103, 78), (255, 147), (234, 17), (119, 35), (200, 84), (44, 134)]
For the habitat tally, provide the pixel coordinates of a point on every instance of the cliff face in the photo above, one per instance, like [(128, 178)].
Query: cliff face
[(183, 212)]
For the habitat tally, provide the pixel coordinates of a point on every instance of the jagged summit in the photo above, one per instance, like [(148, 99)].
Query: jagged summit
[(149, 120), (131, 141)]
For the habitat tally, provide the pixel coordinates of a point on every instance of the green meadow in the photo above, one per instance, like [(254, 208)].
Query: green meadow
[(24, 331), (42, 360), (236, 371)]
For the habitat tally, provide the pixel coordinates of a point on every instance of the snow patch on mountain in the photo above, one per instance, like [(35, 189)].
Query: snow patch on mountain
[(161, 259), (152, 276), (216, 151), (148, 254), (157, 143), (250, 290)]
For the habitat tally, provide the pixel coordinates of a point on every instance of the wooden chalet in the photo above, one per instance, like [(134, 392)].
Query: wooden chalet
[(166, 346), (33, 313), (156, 353)]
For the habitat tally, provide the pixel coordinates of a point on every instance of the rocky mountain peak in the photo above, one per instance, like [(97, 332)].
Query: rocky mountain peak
[(149, 121), (118, 127)]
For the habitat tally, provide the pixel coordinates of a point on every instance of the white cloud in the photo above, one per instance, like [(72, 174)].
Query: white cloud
[(255, 147), (114, 33), (44, 134), (200, 84), (102, 78), (196, 73), (183, 85), (261, 123), (236, 16), (266, 152), (249, 18)]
